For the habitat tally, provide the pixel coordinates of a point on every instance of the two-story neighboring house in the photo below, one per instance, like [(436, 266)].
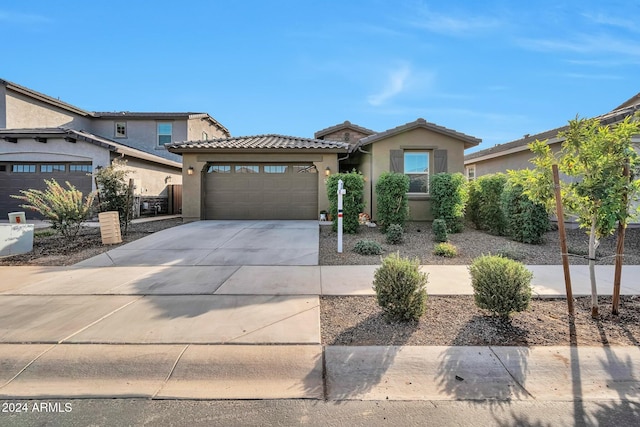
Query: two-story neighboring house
[(42, 138)]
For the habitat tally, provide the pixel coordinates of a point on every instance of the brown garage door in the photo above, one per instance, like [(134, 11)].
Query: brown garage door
[(261, 191), (16, 176)]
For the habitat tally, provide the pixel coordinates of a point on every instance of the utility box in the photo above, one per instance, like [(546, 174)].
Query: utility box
[(16, 239), (17, 218), (110, 228)]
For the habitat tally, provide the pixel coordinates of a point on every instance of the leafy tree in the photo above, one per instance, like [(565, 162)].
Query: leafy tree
[(64, 208), (352, 202), (114, 193), (594, 156), (392, 199)]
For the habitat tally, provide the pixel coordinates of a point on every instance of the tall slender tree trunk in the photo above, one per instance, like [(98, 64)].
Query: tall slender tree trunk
[(592, 268)]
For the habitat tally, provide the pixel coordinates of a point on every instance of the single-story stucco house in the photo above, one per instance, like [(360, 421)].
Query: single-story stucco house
[(284, 177)]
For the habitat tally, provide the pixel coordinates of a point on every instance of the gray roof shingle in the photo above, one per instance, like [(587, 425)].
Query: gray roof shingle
[(259, 142)]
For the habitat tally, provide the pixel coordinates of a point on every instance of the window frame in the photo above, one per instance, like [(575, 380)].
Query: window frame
[(159, 134), (19, 168), (117, 134), (469, 169), (428, 154)]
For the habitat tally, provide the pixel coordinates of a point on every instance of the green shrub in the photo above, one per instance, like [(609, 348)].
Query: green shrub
[(114, 192), (500, 285), (64, 208), (395, 234), (485, 201), (473, 203), (439, 228), (401, 288), (352, 201), (47, 232), (526, 221), (448, 198), (392, 199), (446, 250), (367, 247)]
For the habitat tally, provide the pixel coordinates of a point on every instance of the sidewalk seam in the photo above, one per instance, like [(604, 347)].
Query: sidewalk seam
[(27, 365), (510, 374), (100, 319), (173, 368)]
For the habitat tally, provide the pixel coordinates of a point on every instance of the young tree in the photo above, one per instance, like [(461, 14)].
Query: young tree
[(594, 156), (114, 193)]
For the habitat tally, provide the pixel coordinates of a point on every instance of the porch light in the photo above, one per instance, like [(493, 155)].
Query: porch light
[(190, 170), (327, 171)]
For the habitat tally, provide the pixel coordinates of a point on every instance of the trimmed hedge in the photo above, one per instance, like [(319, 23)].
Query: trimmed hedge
[(439, 228), (485, 204), (448, 198), (526, 221), (392, 199)]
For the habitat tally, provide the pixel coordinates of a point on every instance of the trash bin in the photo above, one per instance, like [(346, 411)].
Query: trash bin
[(17, 218), (110, 228)]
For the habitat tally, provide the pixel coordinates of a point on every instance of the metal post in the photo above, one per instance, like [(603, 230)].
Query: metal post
[(341, 192)]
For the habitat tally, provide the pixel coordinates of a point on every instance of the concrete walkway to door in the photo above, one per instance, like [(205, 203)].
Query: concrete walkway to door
[(206, 243)]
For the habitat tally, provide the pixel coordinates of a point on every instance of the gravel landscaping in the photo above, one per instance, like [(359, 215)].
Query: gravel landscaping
[(471, 243)]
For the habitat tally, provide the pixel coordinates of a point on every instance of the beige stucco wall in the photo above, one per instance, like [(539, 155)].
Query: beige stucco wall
[(142, 134), (25, 112), (417, 138), (151, 179), (195, 127), (192, 185), (512, 161), (340, 135)]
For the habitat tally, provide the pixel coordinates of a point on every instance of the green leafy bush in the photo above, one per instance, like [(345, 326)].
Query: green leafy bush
[(401, 288), (446, 250), (448, 198), (512, 252), (352, 201), (392, 199), (526, 221), (439, 227), (114, 193), (485, 204), (367, 247), (473, 203), (64, 208), (500, 285), (395, 234)]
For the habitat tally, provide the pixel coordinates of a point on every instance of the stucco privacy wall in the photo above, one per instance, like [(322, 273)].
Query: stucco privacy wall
[(192, 197), (152, 179), (26, 112), (374, 164)]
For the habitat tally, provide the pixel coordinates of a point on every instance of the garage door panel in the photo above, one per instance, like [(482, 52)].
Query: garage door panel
[(287, 195)]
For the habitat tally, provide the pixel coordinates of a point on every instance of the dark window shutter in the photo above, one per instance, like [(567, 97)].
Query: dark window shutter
[(440, 160), (397, 161)]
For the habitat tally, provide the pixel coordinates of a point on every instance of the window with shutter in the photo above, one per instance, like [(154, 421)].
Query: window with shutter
[(416, 167)]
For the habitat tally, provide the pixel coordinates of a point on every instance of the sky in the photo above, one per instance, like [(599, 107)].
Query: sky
[(492, 69)]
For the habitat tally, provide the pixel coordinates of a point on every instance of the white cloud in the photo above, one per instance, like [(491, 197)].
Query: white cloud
[(22, 18), (602, 19), (454, 25), (593, 76), (396, 83), (582, 43)]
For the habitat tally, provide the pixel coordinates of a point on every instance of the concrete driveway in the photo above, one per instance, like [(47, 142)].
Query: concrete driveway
[(207, 243)]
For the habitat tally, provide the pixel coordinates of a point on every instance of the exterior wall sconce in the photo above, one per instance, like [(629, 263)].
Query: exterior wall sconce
[(327, 171), (190, 170)]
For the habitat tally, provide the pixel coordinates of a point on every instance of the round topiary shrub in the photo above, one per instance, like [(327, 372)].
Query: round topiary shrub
[(367, 247), (446, 250), (439, 228), (401, 288), (395, 234), (500, 285)]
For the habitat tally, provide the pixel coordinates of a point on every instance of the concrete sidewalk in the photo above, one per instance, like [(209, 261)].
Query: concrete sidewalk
[(37, 371), (548, 280)]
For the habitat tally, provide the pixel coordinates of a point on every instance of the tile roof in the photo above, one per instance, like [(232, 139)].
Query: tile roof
[(469, 141), (614, 116), (258, 142), (87, 137), (346, 125)]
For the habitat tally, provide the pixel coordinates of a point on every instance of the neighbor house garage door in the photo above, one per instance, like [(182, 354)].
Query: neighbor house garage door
[(16, 176), (261, 191)]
